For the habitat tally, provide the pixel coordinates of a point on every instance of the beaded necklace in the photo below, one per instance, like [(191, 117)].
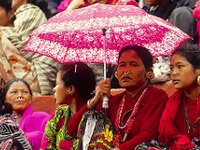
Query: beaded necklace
[(129, 122), (189, 125)]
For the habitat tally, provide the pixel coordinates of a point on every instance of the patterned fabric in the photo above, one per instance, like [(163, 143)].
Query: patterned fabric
[(41, 69), (13, 64), (161, 69), (11, 137), (62, 36), (97, 130), (28, 18), (55, 136), (153, 145)]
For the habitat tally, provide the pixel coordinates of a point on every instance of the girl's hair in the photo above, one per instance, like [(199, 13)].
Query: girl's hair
[(7, 4), (191, 53), (10, 82), (5, 107), (43, 5), (142, 52), (81, 76)]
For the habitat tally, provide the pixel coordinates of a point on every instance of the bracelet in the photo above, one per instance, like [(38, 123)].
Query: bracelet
[(89, 105)]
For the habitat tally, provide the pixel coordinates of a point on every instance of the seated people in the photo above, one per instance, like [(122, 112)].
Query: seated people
[(74, 86), (136, 112), (178, 12), (11, 137), (17, 92), (196, 14), (27, 18)]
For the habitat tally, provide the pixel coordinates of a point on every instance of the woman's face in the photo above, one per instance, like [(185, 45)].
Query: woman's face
[(5, 20), (60, 91), (131, 62), (17, 3), (151, 2), (19, 96), (183, 74)]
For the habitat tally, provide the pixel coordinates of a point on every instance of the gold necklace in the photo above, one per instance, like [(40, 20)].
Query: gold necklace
[(189, 125)]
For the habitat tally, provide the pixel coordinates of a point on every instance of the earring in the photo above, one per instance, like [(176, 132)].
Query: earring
[(70, 92), (116, 74), (198, 80), (150, 75)]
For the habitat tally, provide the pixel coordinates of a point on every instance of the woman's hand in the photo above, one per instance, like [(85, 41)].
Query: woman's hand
[(102, 89)]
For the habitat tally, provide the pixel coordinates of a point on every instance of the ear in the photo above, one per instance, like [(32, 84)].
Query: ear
[(116, 74), (71, 90), (198, 71), (150, 74)]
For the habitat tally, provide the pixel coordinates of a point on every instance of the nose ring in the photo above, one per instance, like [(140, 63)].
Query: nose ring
[(127, 72), (20, 98)]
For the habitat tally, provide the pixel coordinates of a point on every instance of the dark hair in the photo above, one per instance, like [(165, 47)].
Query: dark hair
[(5, 107), (7, 4), (142, 52), (81, 76), (43, 5), (10, 82), (191, 53)]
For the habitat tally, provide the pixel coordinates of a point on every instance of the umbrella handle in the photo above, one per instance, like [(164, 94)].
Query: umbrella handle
[(105, 102), (105, 98)]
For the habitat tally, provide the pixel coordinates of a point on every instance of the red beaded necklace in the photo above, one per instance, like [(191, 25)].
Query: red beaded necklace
[(127, 126)]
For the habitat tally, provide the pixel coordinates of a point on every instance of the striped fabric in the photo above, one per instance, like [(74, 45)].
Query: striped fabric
[(28, 18), (44, 69), (11, 137)]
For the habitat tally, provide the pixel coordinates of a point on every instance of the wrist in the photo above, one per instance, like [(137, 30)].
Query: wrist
[(89, 106)]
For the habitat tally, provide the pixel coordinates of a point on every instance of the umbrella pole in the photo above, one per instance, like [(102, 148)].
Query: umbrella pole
[(105, 98), (104, 48)]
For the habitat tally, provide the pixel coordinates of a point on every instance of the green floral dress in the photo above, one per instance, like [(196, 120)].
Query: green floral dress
[(55, 136)]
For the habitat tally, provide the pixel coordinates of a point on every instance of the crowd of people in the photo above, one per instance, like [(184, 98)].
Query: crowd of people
[(141, 117)]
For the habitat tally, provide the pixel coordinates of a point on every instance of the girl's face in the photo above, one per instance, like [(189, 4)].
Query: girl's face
[(19, 96), (5, 18), (60, 91), (183, 74), (136, 77)]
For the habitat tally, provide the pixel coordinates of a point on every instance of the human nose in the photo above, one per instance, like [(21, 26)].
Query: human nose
[(127, 71), (20, 94), (175, 73)]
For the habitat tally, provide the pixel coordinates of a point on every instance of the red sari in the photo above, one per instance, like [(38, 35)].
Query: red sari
[(144, 127)]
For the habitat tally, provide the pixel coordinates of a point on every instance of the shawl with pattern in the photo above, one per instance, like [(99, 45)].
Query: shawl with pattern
[(11, 137), (55, 136)]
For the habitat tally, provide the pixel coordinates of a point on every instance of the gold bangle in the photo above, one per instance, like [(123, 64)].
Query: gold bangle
[(89, 105)]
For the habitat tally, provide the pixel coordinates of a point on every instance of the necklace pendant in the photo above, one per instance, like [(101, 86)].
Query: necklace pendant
[(125, 137)]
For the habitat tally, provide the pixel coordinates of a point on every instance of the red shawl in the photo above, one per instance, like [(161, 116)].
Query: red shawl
[(169, 134)]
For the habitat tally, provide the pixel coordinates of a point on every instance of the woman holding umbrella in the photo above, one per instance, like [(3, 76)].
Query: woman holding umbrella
[(136, 112)]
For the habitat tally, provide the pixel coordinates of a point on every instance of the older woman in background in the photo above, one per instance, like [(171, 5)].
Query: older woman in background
[(17, 92)]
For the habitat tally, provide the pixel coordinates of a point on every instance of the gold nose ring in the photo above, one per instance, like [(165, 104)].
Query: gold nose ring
[(127, 72)]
